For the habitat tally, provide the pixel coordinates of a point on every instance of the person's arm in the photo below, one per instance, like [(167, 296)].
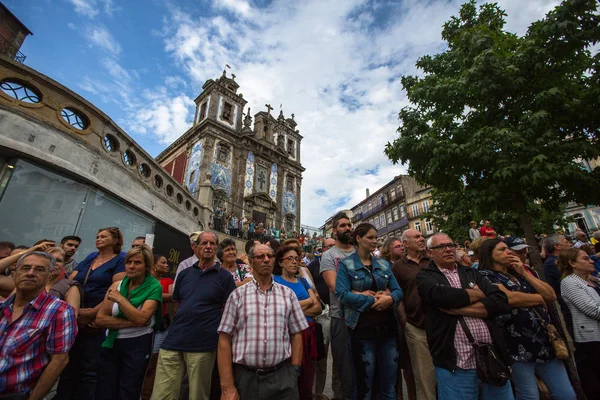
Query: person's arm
[(306, 303), (520, 299), (476, 310), (296, 340), (104, 318), (401, 314), (545, 290), (73, 297), (6, 262), (343, 290), (315, 309), (139, 318), (57, 363), (578, 295), (442, 296), (7, 285), (495, 301), (225, 365)]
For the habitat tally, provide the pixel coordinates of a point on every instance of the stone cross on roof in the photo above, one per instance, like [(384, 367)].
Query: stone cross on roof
[(269, 108)]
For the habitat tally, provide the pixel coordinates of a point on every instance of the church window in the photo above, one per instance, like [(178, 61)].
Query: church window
[(291, 148), (227, 112), (203, 111), (223, 154), (290, 184)]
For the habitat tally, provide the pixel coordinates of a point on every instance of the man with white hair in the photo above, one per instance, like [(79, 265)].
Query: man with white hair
[(582, 239), (38, 331), (188, 262)]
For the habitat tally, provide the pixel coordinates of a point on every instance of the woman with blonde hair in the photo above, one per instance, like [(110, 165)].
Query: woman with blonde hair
[(584, 303), (131, 311)]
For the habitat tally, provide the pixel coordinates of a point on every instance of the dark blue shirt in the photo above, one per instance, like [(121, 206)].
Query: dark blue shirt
[(552, 273), (99, 279), (201, 296)]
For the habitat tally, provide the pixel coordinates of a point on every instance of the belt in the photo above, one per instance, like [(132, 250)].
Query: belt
[(263, 371)]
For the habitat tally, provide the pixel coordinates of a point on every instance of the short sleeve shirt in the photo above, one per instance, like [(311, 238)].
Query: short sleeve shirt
[(524, 327), (201, 296), (100, 279), (329, 262), (299, 288)]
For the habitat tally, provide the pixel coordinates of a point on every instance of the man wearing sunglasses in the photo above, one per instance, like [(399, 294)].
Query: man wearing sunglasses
[(38, 330), (450, 292), (260, 336)]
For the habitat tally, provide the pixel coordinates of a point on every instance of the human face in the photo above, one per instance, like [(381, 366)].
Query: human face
[(343, 230), (60, 263), (32, 274), (501, 254), (522, 254), (70, 247), (563, 244), (104, 240), (138, 243), (369, 241), (207, 246), (229, 255), (329, 243), (262, 261), (443, 251), (396, 249), (161, 265), (487, 223), (135, 267), (414, 240), (290, 262), (582, 265)]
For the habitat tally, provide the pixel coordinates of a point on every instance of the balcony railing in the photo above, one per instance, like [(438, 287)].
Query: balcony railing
[(9, 50)]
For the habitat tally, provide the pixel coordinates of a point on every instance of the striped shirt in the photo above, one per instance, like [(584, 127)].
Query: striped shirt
[(584, 303), (465, 353), (261, 324), (47, 326)]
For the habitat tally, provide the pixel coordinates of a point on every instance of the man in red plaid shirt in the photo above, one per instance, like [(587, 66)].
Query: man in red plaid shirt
[(260, 336), (450, 292), (37, 331)]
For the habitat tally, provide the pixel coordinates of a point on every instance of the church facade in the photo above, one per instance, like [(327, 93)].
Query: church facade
[(250, 168)]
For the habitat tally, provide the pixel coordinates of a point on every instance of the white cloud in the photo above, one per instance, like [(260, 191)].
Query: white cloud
[(336, 65), (86, 8), (99, 36)]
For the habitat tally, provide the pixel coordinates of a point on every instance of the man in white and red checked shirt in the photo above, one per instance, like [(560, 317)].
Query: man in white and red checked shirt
[(260, 339), (450, 292)]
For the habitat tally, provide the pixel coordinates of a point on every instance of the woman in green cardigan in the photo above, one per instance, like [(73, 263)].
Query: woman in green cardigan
[(130, 312)]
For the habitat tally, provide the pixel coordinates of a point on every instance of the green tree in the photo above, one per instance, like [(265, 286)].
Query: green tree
[(498, 121)]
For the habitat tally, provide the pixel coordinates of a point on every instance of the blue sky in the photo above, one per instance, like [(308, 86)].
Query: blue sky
[(335, 64)]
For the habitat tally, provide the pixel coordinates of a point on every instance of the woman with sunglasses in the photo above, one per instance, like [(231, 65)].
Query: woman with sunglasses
[(368, 293), (287, 264), (95, 274)]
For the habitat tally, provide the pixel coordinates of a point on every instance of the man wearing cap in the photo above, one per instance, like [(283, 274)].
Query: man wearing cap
[(188, 262), (474, 232), (520, 248)]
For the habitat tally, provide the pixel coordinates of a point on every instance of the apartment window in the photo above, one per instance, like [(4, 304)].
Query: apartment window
[(415, 210), (382, 220), (392, 194), (369, 206), (425, 206), (403, 212), (399, 190), (395, 211), (418, 226), (371, 222), (389, 217), (428, 226)]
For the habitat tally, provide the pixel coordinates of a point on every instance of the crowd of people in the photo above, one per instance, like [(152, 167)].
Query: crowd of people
[(443, 319)]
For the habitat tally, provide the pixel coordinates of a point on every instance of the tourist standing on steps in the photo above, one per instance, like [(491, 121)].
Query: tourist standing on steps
[(339, 332), (260, 336), (368, 293), (96, 273)]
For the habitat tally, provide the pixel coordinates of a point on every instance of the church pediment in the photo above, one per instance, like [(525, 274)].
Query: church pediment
[(262, 200)]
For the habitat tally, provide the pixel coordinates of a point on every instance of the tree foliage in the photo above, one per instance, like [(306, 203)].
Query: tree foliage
[(498, 122)]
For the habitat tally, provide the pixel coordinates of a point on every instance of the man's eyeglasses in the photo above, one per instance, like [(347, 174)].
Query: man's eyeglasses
[(443, 246), (38, 269), (261, 257), (291, 258)]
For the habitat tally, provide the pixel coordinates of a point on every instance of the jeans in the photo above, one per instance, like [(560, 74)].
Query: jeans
[(121, 369), (553, 373), (78, 379), (342, 357), (463, 384), (376, 358)]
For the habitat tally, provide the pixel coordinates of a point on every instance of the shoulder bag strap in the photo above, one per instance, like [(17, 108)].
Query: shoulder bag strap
[(301, 279), (466, 329), (84, 283)]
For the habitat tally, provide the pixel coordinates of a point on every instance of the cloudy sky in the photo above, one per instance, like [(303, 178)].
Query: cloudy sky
[(335, 64)]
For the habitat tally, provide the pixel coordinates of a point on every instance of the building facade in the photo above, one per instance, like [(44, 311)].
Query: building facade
[(253, 169)]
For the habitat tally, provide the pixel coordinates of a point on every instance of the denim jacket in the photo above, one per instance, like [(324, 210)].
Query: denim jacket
[(353, 275)]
